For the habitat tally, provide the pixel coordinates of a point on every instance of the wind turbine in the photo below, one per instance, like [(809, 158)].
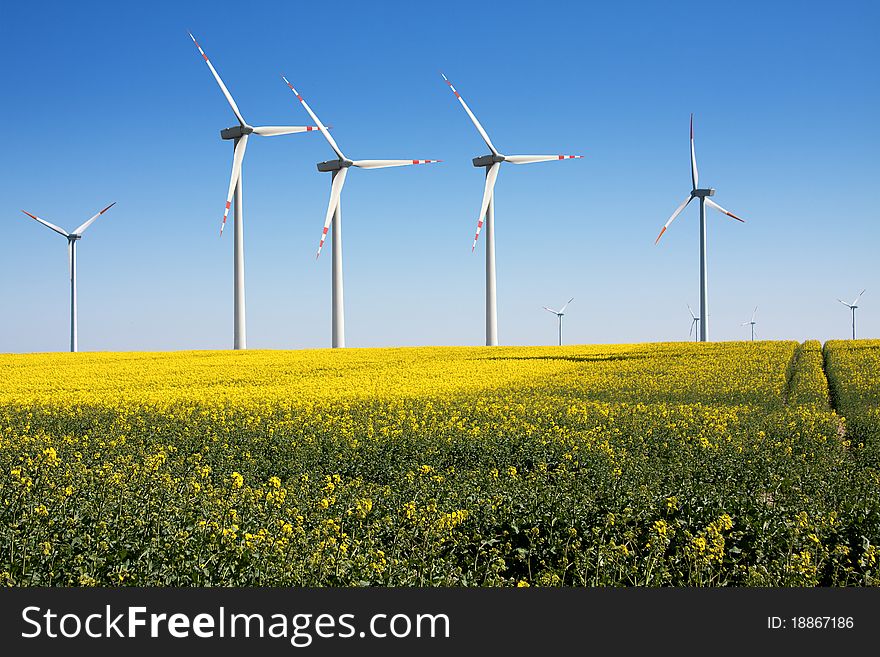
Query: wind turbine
[(559, 314), (852, 306), (339, 169), (695, 321), (752, 322), (703, 195), (239, 136), (72, 238), (492, 164)]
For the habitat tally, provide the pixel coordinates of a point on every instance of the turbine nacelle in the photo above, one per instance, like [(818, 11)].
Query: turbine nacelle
[(488, 160), (236, 132), (334, 165), (703, 193)]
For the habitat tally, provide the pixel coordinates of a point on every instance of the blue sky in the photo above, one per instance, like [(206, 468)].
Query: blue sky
[(112, 102)]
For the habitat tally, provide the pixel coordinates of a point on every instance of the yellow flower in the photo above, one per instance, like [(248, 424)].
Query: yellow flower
[(50, 456), (237, 480)]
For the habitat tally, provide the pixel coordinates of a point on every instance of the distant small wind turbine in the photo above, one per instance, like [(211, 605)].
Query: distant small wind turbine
[(72, 238), (559, 314), (752, 322), (695, 321), (852, 306)]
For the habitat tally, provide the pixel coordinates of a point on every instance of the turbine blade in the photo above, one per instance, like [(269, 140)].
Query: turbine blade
[(335, 192), (473, 118), (562, 310), (58, 230), (81, 229), (695, 175), (845, 304), (223, 88), (273, 130), (529, 159), (383, 164), (694, 317), (856, 300), (693, 324), (672, 218), (321, 126), (237, 159), (549, 310), (713, 204), (754, 313), (491, 177)]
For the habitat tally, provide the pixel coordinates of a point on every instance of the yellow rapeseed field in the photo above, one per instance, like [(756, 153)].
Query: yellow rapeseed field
[(649, 464)]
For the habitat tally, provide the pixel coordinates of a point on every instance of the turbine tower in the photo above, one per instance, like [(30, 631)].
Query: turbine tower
[(752, 322), (492, 164), (72, 238), (339, 169), (703, 195), (695, 321), (239, 136), (853, 306), (559, 314)]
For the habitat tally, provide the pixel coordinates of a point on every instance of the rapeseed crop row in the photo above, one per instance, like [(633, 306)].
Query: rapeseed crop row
[(853, 368)]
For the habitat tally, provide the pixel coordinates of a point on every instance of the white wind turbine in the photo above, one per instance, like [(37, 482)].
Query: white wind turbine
[(72, 238), (695, 321), (492, 164), (853, 306), (559, 314), (703, 195), (239, 135), (752, 322), (339, 169)]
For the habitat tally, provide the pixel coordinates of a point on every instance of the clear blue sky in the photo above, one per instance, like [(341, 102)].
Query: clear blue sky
[(112, 102)]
